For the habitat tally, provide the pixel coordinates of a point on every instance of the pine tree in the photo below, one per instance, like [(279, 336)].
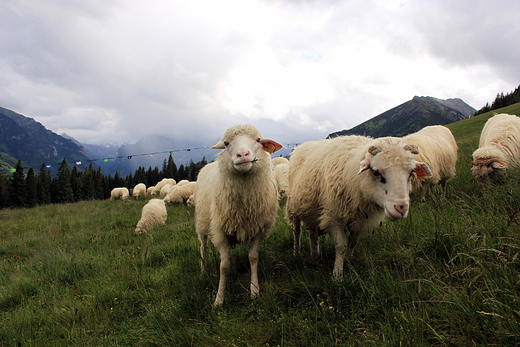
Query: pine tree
[(76, 184), (43, 188), (17, 192), (31, 183), (63, 187)]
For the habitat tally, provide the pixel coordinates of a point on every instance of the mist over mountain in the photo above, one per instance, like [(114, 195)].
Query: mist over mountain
[(412, 116)]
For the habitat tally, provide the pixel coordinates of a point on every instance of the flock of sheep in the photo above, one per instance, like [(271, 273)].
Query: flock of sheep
[(344, 187)]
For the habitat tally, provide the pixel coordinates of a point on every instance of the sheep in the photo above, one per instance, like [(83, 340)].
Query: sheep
[(499, 148), (139, 190), (438, 149), (191, 201), (236, 200), (182, 182), (153, 213), (281, 175), (149, 190), (180, 194), (279, 160), (119, 193), (166, 189), (162, 183), (350, 182)]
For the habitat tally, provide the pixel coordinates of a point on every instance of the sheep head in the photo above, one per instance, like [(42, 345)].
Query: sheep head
[(391, 166), (243, 146)]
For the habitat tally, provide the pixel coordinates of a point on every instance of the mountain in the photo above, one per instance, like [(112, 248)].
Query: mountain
[(25, 139), (412, 116)]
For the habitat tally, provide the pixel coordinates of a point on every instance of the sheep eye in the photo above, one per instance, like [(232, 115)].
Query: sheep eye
[(258, 140), (378, 174), (226, 143)]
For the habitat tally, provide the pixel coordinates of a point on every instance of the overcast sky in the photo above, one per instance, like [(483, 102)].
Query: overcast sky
[(113, 71)]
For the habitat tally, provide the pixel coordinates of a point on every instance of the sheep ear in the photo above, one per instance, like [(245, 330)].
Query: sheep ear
[(422, 170), (412, 148), (270, 146), (498, 165), (219, 145), (374, 150), (364, 165)]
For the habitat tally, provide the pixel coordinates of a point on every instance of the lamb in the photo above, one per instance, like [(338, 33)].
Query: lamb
[(350, 182), (119, 193), (162, 183), (236, 200), (438, 149), (499, 148), (139, 190), (153, 214), (180, 194), (281, 175), (279, 160)]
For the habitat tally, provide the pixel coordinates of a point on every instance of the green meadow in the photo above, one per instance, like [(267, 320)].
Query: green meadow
[(448, 275)]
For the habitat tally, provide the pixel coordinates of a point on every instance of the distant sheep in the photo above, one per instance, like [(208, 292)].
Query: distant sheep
[(499, 148), (438, 149), (139, 190), (281, 175), (149, 190), (182, 182), (157, 189), (153, 214), (191, 201), (180, 194), (166, 189), (121, 193), (349, 183), (236, 199), (279, 160)]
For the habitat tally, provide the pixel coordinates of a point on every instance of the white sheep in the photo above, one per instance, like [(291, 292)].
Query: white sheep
[(119, 193), (279, 160), (153, 214), (182, 182), (149, 190), (236, 199), (438, 149), (180, 194), (166, 189), (281, 176), (499, 148), (191, 201), (157, 189), (139, 190), (350, 182)]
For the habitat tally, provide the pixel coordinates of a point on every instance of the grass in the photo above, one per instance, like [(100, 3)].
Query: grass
[(448, 275)]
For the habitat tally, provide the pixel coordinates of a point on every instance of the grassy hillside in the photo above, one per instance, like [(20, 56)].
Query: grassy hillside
[(448, 275)]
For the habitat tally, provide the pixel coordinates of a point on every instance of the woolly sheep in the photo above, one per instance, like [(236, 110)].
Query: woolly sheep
[(119, 193), (350, 182), (182, 182), (438, 149), (179, 194), (499, 148), (139, 190), (165, 190), (149, 190), (279, 160), (281, 175), (162, 183), (153, 213), (236, 199)]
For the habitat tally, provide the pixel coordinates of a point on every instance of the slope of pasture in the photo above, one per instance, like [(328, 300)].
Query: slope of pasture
[(448, 275)]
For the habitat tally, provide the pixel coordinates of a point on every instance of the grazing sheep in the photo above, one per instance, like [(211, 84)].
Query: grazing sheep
[(149, 190), (166, 189), (438, 149), (139, 190), (281, 175), (279, 160), (236, 199), (153, 213), (182, 182), (180, 194), (350, 182), (119, 193), (162, 183), (499, 148)]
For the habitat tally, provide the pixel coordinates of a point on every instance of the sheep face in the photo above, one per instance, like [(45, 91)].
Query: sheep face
[(486, 170), (243, 146), (389, 172)]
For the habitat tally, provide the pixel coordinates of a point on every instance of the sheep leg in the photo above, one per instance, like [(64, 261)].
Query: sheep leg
[(203, 252), (297, 231), (338, 234), (224, 250), (253, 261), (314, 242)]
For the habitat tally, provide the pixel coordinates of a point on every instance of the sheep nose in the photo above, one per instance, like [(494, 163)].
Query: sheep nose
[(243, 154), (401, 208)]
